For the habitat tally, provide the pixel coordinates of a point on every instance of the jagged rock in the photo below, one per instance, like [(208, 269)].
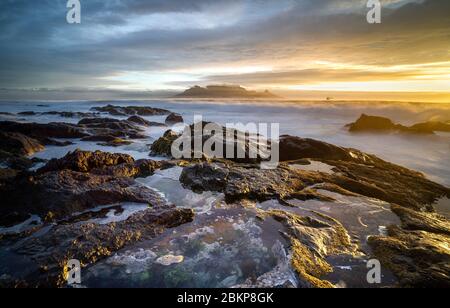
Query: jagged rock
[(18, 162), (70, 114), (245, 146), (91, 242), (78, 181), (312, 241), (250, 182), (44, 132), (417, 252), (388, 182), (163, 146), (112, 124), (143, 122), (83, 161), (295, 148), (174, 118), (379, 124), (102, 163), (91, 121), (111, 132), (366, 174), (19, 144), (65, 192), (7, 174), (414, 220), (131, 110), (376, 179)]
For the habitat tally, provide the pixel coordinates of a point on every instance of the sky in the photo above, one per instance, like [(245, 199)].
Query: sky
[(287, 46)]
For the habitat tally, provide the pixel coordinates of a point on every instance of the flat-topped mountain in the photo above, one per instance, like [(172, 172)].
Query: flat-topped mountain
[(224, 92)]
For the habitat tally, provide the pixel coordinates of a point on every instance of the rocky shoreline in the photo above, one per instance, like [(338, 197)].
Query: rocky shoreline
[(376, 124), (67, 193)]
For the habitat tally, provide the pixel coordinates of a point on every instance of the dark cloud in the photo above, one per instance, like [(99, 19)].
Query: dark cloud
[(39, 49)]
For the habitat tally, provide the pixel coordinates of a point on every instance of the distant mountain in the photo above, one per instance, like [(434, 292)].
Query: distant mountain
[(225, 92)]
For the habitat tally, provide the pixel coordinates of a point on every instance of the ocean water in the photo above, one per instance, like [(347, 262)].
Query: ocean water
[(225, 245), (319, 120)]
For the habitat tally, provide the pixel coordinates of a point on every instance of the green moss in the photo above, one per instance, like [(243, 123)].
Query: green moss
[(176, 277), (309, 266)]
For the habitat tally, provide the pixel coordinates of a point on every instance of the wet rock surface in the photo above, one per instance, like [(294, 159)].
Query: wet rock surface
[(418, 250), (89, 243), (79, 181), (143, 122), (238, 146), (241, 182), (163, 146), (16, 143), (131, 110), (383, 182), (44, 132), (65, 193), (312, 240), (174, 118), (64, 114), (76, 207)]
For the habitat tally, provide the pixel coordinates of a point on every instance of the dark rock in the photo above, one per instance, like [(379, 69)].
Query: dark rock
[(218, 91), (295, 148), (416, 221), (83, 161), (111, 132), (27, 113), (313, 240), (70, 114), (373, 178), (20, 144), (242, 143), (117, 142), (90, 121), (143, 122), (249, 182), (131, 110), (7, 174), (65, 192), (91, 242), (174, 118), (432, 126), (12, 219), (383, 125), (163, 146), (17, 162), (106, 123), (43, 132), (138, 120), (98, 138), (417, 253), (101, 163), (388, 182), (366, 174)]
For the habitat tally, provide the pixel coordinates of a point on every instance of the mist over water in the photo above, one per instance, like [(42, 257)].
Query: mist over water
[(324, 121)]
